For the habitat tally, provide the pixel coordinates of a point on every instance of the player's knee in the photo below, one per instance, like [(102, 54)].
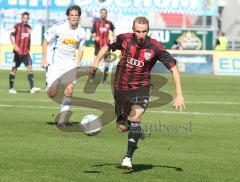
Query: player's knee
[(29, 69), (13, 71), (52, 92), (135, 116), (106, 64), (136, 113), (68, 92), (135, 119)]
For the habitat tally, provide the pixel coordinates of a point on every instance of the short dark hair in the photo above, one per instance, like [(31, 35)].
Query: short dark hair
[(74, 7), (141, 20), (103, 9), (25, 13)]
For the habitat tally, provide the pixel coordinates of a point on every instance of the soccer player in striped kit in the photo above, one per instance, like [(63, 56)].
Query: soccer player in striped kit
[(21, 40), (139, 53), (100, 33)]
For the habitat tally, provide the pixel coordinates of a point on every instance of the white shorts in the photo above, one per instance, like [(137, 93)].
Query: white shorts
[(60, 75)]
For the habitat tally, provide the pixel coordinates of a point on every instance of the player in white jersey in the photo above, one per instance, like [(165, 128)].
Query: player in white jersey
[(58, 52)]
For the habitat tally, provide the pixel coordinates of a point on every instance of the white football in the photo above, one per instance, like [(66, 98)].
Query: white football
[(91, 124)]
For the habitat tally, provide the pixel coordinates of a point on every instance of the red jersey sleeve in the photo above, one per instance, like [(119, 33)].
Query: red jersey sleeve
[(164, 56), (14, 30), (117, 45)]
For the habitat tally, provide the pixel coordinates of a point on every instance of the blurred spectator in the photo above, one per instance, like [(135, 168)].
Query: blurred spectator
[(221, 42)]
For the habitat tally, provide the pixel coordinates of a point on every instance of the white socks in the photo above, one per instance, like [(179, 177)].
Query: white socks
[(65, 107)]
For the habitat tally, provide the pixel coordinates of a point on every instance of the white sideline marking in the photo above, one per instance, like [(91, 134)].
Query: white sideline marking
[(213, 102), (188, 102), (149, 111), (42, 107), (25, 106), (196, 113), (186, 91)]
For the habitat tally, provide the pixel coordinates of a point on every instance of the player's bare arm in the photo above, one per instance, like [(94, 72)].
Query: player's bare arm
[(94, 37), (44, 54), (100, 55), (178, 102)]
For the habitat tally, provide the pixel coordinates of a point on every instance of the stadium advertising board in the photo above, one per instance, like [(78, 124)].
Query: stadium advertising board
[(36, 55), (190, 40), (188, 61), (7, 57), (200, 62), (227, 62)]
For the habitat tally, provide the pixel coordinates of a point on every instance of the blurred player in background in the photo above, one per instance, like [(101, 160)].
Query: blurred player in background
[(20, 38), (101, 33), (221, 42), (58, 52), (132, 79)]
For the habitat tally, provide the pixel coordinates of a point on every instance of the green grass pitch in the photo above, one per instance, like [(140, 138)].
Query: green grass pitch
[(204, 147)]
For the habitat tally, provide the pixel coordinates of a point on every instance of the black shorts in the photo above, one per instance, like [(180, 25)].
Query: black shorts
[(97, 49), (18, 59), (124, 100)]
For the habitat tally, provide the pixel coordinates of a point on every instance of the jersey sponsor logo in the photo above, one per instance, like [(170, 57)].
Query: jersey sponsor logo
[(107, 26), (135, 62), (24, 35), (147, 55), (103, 29), (70, 41)]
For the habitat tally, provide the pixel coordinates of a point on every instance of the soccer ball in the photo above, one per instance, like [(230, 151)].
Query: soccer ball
[(91, 125)]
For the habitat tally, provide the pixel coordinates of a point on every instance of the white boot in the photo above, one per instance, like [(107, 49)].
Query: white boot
[(12, 91), (35, 90), (126, 163)]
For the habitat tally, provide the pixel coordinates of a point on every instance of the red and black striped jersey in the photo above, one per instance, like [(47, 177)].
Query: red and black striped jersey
[(22, 34), (101, 28), (134, 67)]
